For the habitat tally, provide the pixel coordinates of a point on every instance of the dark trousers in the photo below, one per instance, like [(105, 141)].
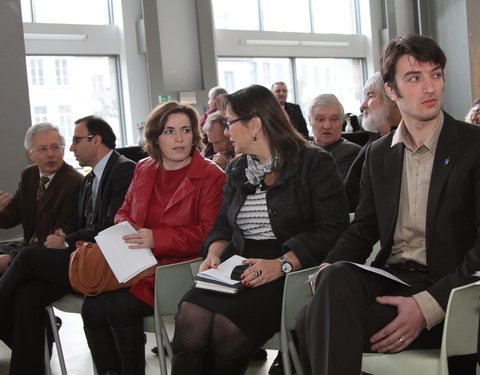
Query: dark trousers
[(37, 277), (334, 329)]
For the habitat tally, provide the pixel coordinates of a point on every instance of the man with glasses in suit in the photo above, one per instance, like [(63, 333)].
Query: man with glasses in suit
[(39, 275), (47, 194)]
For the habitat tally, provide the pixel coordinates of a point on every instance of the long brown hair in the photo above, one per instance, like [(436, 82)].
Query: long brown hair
[(284, 140)]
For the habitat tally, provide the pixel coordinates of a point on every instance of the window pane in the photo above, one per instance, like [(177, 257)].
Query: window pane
[(74, 87), (286, 15), (26, 10), (342, 77), (237, 73), (85, 12), (334, 17), (236, 15)]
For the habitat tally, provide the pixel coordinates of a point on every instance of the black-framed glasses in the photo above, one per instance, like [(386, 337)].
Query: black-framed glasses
[(76, 139), (228, 123)]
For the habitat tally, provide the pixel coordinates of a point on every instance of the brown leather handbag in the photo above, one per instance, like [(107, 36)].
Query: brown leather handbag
[(90, 274)]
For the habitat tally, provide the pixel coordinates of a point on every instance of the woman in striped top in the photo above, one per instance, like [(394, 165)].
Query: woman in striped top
[(284, 208)]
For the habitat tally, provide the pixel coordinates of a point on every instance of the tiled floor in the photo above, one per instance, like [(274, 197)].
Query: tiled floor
[(78, 358)]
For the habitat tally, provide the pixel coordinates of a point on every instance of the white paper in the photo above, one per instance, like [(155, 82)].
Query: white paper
[(125, 263), (224, 270), (476, 274), (380, 272)]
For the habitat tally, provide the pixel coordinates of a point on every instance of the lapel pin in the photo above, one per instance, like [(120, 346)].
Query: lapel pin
[(447, 160)]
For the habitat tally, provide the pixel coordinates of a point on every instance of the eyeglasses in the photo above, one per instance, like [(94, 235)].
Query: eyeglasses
[(227, 123), (77, 139), (44, 149)]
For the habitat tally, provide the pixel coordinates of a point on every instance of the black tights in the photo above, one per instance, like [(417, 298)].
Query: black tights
[(197, 328)]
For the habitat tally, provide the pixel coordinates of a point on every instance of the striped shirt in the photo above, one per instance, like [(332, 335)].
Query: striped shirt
[(253, 217)]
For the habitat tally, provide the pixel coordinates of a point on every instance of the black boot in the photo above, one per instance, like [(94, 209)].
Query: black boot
[(130, 345), (104, 354), (233, 366), (189, 362)]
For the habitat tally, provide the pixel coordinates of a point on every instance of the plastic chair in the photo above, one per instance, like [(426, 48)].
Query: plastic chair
[(72, 303), (180, 275), (459, 337)]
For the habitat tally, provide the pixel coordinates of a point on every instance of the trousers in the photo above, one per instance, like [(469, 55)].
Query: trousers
[(37, 277)]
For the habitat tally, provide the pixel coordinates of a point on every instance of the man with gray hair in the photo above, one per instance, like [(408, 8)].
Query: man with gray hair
[(326, 117), (213, 95), (222, 146), (47, 195), (380, 116)]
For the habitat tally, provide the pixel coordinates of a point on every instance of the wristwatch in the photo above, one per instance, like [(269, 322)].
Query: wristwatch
[(285, 265)]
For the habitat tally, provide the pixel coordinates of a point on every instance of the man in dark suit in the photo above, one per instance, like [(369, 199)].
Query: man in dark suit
[(420, 194), (380, 115), (39, 275), (47, 195), (291, 110), (326, 117)]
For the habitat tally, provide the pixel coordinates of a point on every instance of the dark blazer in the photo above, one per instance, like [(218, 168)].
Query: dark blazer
[(113, 186), (352, 180), (344, 153), (453, 209), (296, 118), (56, 208), (306, 207)]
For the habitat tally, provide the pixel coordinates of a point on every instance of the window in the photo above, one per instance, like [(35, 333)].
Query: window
[(36, 72), (236, 73), (61, 71), (313, 76), (40, 114), (305, 16), (85, 12), (92, 90)]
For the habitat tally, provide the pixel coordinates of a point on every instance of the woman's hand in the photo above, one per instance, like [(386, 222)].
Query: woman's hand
[(143, 239), (212, 261), (267, 270)]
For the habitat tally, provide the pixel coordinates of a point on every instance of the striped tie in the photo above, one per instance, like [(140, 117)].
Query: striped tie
[(41, 187)]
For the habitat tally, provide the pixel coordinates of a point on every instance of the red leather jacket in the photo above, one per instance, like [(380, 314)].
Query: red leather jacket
[(190, 214)]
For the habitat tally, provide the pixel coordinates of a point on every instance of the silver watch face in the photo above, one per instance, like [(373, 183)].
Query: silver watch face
[(287, 267)]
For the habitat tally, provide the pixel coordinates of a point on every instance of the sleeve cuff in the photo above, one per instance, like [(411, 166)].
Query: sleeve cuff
[(432, 311)]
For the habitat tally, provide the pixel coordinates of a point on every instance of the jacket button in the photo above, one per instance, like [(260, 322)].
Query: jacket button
[(272, 211)]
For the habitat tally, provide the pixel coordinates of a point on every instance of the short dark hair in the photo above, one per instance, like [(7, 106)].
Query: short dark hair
[(98, 126), (258, 101), (278, 83), (156, 123), (422, 48)]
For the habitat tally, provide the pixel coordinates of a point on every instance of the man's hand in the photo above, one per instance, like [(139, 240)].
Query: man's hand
[(5, 199), (221, 159), (405, 328), (4, 260), (56, 240)]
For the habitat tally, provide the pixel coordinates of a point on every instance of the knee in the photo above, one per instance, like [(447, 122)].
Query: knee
[(336, 275)]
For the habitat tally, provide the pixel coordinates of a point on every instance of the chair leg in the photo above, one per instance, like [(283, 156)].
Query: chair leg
[(56, 337), (294, 354), (48, 370)]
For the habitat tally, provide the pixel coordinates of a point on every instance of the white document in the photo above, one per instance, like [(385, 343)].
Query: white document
[(476, 274), (224, 270), (380, 272), (125, 263)]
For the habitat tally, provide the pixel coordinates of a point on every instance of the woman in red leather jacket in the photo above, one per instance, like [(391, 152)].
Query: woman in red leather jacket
[(174, 197)]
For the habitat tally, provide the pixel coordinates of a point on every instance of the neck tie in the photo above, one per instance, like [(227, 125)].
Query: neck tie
[(89, 198), (41, 187)]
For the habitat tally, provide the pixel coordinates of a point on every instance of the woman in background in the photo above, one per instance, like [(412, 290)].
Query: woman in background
[(284, 208), (174, 198)]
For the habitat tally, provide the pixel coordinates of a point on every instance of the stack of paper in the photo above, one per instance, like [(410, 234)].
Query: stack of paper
[(125, 263), (218, 279)]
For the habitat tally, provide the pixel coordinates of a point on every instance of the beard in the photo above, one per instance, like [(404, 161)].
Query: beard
[(377, 118)]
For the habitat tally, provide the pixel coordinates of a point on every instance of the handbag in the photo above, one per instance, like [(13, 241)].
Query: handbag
[(90, 274)]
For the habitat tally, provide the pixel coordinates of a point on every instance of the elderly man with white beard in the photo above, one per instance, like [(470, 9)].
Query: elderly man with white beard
[(380, 115)]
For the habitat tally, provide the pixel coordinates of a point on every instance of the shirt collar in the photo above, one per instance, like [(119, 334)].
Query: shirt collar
[(402, 135), (100, 167)]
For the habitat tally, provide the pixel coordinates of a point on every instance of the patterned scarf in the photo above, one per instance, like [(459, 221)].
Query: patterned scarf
[(256, 171)]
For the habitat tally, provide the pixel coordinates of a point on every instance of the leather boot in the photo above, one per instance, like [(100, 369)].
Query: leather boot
[(191, 362), (104, 354), (233, 366), (130, 345)]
